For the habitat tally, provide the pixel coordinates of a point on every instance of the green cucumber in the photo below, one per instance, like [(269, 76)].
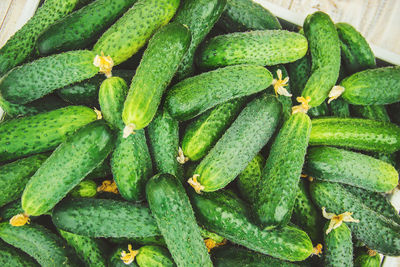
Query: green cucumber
[(276, 193), (134, 28), (15, 175), (299, 73), (360, 134), (66, 167), (42, 132), (210, 235), (228, 217), (81, 28), (8, 211), (154, 256), (101, 171), (115, 258), (140, 241), (175, 218), (339, 108), (319, 111), (241, 142), (269, 47), (86, 188), (21, 45), (197, 94), (250, 177), (200, 16), (203, 132), (11, 257), (131, 165), (154, 73), (372, 112), (338, 247), (364, 259), (104, 218), (325, 53), (347, 167)]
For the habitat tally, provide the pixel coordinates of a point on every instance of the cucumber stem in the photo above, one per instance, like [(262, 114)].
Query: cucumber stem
[(195, 184), (337, 220)]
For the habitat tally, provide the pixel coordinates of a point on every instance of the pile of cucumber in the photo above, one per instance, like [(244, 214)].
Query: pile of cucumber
[(194, 133)]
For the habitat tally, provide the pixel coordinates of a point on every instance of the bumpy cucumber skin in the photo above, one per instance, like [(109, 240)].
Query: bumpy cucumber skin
[(160, 61), (340, 108), (319, 111), (361, 134), (278, 188), (112, 95), (375, 230), (338, 247), (9, 210), (175, 218), (154, 256), (261, 48), (324, 46), (42, 132), (131, 165), (285, 101), (197, 94), (363, 259), (11, 257), (299, 72), (80, 29), (134, 28), (250, 177), (347, 167), (22, 44), (141, 241), (104, 218), (163, 137), (200, 16), (101, 171), (372, 112), (33, 80), (203, 132), (15, 175), (66, 167), (241, 142), (45, 247), (228, 217)]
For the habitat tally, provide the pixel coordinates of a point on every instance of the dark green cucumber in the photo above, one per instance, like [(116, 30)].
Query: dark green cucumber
[(131, 165), (319, 111), (269, 47), (45, 247), (347, 167), (115, 257), (203, 132), (154, 256), (197, 94), (227, 216), (163, 137), (66, 167), (15, 175), (299, 73), (285, 100), (200, 16), (140, 241), (134, 28), (155, 72), (8, 211), (325, 53), (339, 108), (250, 177), (276, 193), (241, 142), (21, 45), (364, 259), (42, 132), (372, 112), (338, 247), (101, 171), (81, 28), (361, 134), (86, 188), (12, 257), (104, 218)]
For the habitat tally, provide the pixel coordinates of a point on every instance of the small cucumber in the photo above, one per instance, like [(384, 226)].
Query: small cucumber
[(360, 134), (367, 259), (86, 188), (276, 193), (175, 218), (154, 256), (12, 257), (338, 247), (269, 47), (115, 258), (42, 132), (154, 73), (250, 177), (197, 94), (66, 167)]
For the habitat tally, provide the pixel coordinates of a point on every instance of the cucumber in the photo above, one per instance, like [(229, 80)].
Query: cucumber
[(347, 167), (86, 188), (134, 28), (238, 146), (228, 216), (200, 16), (203, 132), (340, 108), (21, 45), (175, 218), (338, 247), (325, 54), (42, 132), (197, 94), (101, 171), (374, 230), (115, 258), (268, 47), (141, 241), (163, 137), (8, 211), (299, 73), (364, 259), (154, 256), (319, 111), (131, 165), (15, 175), (104, 218), (250, 177), (66, 167), (154, 73), (45, 247), (360, 134), (81, 28), (277, 190), (11, 257), (372, 112)]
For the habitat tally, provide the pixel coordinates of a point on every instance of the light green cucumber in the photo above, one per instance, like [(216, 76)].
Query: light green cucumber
[(367, 259), (86, 188), (154, 256), (338, 247), (11, 257), (250, 177)]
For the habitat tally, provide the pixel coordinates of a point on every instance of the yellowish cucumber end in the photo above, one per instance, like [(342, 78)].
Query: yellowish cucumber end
[(181, 157), (105, 63), (195, 184), (304, 105), (128, 130), (20, 220), (129, 257)]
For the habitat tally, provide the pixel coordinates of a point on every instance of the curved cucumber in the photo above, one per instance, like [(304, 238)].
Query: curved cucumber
[(154, 256), (197, 94), (338, 249), (364, 259), (11, 257), (249, 178)]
